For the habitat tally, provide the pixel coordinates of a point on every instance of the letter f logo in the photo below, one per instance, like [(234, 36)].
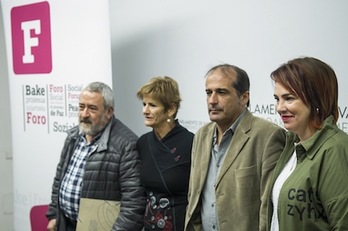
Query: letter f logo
[(30, 42), (31, 39)]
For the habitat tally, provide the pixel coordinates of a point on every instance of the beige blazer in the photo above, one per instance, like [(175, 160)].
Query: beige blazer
[(243, 182)]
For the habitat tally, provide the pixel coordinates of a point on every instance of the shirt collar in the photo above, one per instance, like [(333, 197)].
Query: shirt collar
[(310, 146), (233, 126)]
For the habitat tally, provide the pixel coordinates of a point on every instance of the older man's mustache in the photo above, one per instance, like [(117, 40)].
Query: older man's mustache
[(86, 121)]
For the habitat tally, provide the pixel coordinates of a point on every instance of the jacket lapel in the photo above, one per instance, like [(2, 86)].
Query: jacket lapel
[(205, 149), (236, 145)]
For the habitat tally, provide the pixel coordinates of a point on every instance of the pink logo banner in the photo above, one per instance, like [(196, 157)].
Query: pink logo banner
[(31, 39)]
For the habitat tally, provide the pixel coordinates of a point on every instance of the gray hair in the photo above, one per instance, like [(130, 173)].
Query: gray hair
[(104, 90)]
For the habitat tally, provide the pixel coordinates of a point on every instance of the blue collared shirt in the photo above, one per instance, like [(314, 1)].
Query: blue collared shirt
[(218, 152)]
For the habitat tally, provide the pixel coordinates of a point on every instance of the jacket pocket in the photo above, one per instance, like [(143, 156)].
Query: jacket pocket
[(246, 177)]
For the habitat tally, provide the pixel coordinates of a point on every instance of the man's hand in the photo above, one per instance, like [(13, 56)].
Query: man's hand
[(52, 225)]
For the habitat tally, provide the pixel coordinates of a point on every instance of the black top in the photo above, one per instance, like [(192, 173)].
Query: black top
[(165, 172)]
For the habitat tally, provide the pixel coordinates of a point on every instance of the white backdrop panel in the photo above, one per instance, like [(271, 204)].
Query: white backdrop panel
[(183, 39)]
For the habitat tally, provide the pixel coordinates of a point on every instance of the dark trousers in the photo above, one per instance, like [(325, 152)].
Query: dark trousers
[(70, 225)]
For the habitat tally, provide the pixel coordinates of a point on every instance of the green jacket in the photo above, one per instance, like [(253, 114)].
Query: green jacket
[(315, 196)]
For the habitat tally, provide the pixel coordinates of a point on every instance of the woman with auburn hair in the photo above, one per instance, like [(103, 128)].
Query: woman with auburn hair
[(309, 189)]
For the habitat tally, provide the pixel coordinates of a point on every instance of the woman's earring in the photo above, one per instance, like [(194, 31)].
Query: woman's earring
[(168, 120), (317, 110)]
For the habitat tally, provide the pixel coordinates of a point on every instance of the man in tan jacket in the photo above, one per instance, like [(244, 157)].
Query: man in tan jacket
[(232, 158)]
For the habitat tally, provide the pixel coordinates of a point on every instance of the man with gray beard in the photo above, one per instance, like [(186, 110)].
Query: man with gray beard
[(99, 160)]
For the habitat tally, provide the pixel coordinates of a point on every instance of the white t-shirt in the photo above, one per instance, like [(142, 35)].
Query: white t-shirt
[(283, 176)]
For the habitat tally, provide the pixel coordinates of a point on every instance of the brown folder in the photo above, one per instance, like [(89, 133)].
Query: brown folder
[(97, 215)]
